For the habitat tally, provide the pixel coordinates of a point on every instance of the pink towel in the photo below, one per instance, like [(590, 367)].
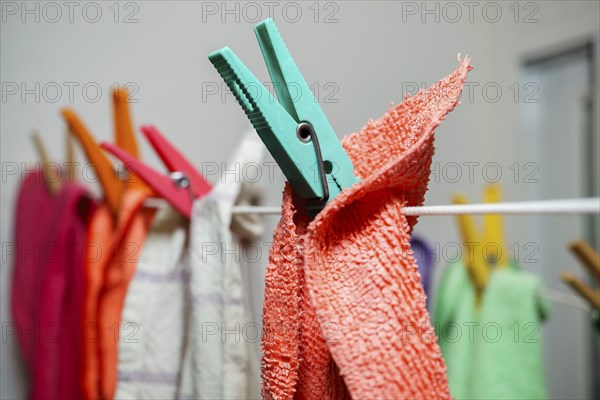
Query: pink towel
[(343, 291), (47, 291), (33, 225)]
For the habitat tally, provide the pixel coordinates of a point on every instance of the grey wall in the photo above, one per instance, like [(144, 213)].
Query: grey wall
[(359, 55)]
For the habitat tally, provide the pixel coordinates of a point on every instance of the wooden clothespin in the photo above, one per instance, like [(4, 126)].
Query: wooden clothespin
[(591, 261), (53, 184), (71, 159), (295, 129), (588, 257)]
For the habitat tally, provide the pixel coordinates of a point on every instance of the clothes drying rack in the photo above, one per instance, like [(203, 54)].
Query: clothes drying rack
[(582, 206)]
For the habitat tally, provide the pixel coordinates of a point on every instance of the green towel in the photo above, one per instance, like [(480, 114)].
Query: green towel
[(494, 352), (453, 307)]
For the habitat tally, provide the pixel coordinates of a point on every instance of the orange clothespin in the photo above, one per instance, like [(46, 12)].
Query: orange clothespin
[(111, 185), (110, 181), (124, 132)]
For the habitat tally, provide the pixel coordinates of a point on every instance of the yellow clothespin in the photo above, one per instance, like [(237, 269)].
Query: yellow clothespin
[(482, 251), (53, 184), (476, 265), (493, 230)]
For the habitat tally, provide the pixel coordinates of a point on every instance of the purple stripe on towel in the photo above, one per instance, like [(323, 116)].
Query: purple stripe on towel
[(165, 378)]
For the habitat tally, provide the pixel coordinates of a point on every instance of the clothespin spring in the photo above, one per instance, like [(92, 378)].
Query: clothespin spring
[(306, 134), (181, 180)]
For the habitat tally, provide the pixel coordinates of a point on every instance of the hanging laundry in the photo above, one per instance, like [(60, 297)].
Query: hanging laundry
[(132, 225), (493, 351), (113, 251), (118, 231), (48, 284), (220, 361), (153, 318), (423, 253), (115, 237), (340, 289), (99, 240), (511, 366), (156, 307), (454, 306)]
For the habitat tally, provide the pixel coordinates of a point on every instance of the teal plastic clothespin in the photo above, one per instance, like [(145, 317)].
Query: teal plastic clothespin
[(294, 128)]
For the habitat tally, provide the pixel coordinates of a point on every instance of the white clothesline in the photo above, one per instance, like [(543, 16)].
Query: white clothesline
[(543, 207), (569, 300), (540, 207), (567, 206)]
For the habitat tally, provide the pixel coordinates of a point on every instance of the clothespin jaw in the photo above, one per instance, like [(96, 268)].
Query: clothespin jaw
[(493, 230), (175, 161), (111, 184), (164, 187), (181, 198), (124, 131), (53, 184), (588, 257), (591, 261), (476, 265), (590, 295), (295, 129), (70, 151)]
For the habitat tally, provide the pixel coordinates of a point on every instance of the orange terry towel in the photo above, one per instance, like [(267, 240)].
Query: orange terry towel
[(132, 227), (344, 311), (108, 273), (99, 237)]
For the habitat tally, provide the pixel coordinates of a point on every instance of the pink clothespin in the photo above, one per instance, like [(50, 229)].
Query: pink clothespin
[(192, 184)]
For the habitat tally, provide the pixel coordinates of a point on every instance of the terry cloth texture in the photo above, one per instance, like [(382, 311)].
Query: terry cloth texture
[(454, 316), (344, 310), (494, 352), (423, 253), (220, 360), (47, 285), (152, 322)]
